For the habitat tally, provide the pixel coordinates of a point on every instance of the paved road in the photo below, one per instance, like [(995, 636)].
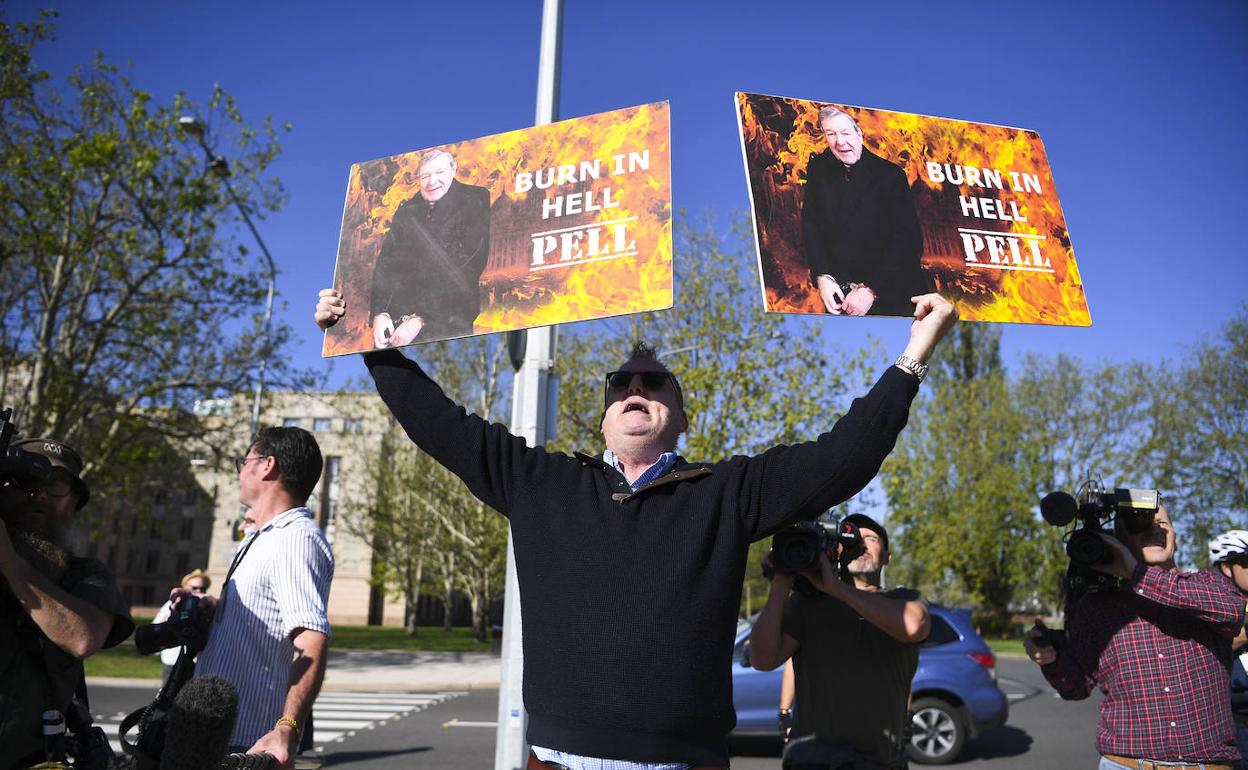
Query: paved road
[(1043, 732), (454, 730)]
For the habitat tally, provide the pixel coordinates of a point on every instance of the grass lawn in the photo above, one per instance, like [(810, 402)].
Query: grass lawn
[(999, 646), (426, 639), (124, 661)]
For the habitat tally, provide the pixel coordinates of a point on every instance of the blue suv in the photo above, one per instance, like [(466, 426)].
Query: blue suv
[(954, 691)]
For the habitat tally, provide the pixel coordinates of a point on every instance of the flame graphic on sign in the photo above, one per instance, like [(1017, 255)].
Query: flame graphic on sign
[(513, 295), (781, 135)]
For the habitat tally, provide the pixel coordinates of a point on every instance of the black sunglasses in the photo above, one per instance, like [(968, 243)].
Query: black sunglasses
[(620, 380)]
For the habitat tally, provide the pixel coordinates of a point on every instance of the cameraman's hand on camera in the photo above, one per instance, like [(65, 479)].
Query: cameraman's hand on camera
[(1124, 562), (780, 581), (826, 579), (282, 742), (1038, 647), (176, 594)]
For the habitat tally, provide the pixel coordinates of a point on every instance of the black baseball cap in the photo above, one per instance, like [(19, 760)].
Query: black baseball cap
[(864, 521), (61, 456)]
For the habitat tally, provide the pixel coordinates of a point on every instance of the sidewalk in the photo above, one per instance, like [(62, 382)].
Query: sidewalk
[(373, 670), (369, 670)]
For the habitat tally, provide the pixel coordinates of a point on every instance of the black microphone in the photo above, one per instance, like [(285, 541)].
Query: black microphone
[(199, 725)]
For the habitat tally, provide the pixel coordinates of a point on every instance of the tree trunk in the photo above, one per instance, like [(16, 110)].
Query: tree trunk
[(448, 593)]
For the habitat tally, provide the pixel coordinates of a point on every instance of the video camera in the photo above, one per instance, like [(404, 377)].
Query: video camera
[(796, 549), (187, 626), (1099, 512), (23, 469)]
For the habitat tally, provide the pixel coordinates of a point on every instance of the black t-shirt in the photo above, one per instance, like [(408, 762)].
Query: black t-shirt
[(852, 679), (25, 691)]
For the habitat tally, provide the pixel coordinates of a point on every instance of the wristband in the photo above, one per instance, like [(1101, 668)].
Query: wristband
[(288, 722), (908, 364)]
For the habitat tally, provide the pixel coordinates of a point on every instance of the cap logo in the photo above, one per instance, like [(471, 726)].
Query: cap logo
[(50, 447)]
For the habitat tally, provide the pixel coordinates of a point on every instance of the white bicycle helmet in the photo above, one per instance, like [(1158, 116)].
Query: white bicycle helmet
[(1228, 545)]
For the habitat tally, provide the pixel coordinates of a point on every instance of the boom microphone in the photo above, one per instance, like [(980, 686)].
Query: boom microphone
[(200, 724)]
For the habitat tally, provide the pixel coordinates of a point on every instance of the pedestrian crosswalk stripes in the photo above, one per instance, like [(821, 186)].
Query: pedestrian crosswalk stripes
[(335, 716)]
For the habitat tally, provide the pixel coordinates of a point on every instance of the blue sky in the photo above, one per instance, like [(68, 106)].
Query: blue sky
[(1141, 106)]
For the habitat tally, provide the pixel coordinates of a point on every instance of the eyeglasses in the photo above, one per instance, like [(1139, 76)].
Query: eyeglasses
[(239, 462), (621, 380)]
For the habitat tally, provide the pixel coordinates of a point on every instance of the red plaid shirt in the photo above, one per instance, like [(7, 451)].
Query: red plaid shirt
[(1161, 654)]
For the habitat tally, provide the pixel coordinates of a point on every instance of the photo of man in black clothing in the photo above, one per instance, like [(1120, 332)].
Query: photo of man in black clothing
[(860, 231), (427, 278)]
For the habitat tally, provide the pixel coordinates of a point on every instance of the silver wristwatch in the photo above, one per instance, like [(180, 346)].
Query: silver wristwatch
[(910, 365)]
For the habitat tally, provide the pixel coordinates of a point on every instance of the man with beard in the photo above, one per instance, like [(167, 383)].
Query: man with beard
[(1160, 650), (55, 608), (860, 232), (855, 649), (427, 280)]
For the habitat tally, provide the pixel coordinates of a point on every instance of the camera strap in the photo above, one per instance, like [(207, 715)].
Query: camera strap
[(219, 615)]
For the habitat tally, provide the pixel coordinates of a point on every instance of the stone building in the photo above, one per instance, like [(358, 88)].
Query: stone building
[(191, 522)]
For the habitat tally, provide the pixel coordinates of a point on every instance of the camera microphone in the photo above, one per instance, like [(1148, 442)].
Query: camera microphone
[(200, 724), (1059, 508)]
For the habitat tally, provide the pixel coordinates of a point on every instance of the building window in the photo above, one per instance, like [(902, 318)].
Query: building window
[(291, 422), (147, 595), (134, 527), (188, 529), (153, 529), (353, 425), (329, 496), (153, 561), (184, 563), (322, 425)]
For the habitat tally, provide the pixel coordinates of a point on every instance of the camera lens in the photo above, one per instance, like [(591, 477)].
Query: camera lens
[(1087, 548)]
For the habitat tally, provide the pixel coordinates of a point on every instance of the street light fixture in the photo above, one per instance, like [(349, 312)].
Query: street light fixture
[(220, 168)]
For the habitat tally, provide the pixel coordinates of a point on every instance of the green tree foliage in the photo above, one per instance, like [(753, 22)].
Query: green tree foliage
[(428, 532), (983, 447), (126, 296), (960, 482), (1199, 446)]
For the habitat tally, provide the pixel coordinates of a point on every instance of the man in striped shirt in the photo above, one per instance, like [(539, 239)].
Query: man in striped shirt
[(270, 633)]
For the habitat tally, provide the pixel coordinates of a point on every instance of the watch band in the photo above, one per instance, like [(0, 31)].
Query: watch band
[(910, 365)]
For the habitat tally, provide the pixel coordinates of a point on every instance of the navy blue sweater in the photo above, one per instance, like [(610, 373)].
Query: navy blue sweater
[(630, 598)]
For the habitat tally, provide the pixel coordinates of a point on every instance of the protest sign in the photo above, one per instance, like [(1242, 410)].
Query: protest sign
[(856, 210), (563, 222)]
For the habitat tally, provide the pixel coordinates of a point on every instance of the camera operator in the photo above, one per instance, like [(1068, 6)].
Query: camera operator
[(270, 634), (855, 649), (55, 608), (1159, 647), (1229, 554)]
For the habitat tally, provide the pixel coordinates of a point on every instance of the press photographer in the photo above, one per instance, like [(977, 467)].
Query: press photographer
[(855, 648), (56, 608), (1156, 640)]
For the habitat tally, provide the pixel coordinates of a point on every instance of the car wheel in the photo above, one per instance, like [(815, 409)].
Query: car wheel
[(937, 732)]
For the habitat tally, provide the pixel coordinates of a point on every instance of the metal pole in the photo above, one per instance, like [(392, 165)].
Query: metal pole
[(529, 403), (222, 169)]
